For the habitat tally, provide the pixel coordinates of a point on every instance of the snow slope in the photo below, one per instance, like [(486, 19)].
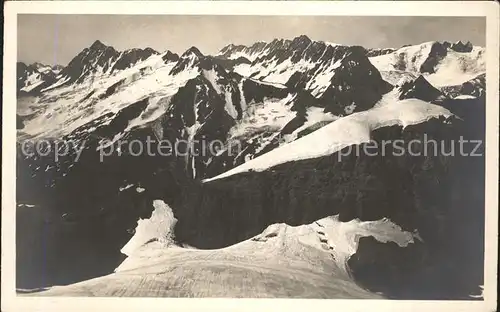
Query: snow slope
[(451, 68), (458, 68), (253, 52), (277, 71), (408, 58), (274, 71), (273, 114), (62, 110), (315, 119), (34, 76), (282, 261), (32, 81), (349, 130)]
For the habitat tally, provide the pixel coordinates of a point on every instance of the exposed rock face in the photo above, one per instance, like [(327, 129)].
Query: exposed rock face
[(130, 57), (443, 64), (100, 59), (356, 82), (252, 52), (19, 122), (189, 59), (437, 53), (169, 56), (421, 89), (33, 78), (475, 87), (377, 52), (340, 77), (462, 47), (229, 64), (91, 61), (450, 264), (22, 72), (262, 194)]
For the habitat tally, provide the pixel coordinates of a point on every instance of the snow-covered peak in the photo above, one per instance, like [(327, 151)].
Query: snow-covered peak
[(192, 53), (189, 60), (31, 78), (194, 60), (231, 48), (409, 58), (442, 63), (99, 60), (251, 53), (262, 49), (301, 40), (129, 58), (96, 60), (341, 76)]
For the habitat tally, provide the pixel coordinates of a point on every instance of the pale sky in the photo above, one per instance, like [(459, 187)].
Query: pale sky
[(56, 39)]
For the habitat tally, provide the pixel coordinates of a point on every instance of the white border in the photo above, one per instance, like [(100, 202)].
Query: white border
[(10, 302)]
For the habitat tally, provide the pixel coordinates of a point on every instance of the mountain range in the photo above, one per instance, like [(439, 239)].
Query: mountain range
[(384, 226)]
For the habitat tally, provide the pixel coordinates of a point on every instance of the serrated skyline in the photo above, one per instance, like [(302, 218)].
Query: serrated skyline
[(51, 39)]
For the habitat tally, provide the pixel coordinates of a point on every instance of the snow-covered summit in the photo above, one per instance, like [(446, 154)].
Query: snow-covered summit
[(99, 60), (340, 76), (442, 63), (34, 77)]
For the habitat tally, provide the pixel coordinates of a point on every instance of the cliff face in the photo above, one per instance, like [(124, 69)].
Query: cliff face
[(438, 197), (448, 194), (357, 186)]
